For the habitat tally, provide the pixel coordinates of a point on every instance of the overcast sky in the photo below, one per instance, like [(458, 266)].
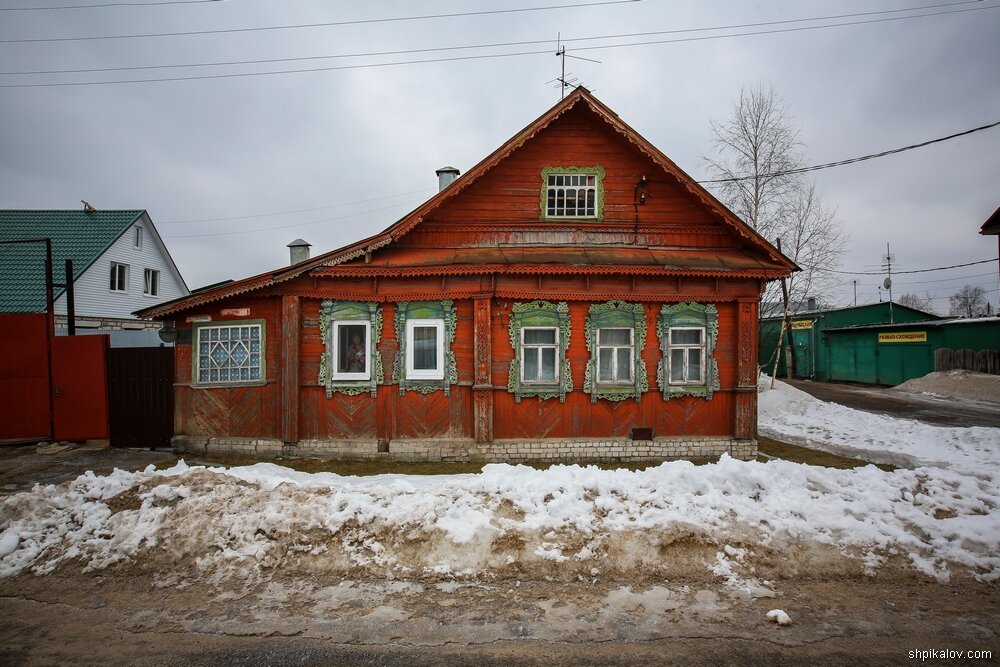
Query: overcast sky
[(233, 169)]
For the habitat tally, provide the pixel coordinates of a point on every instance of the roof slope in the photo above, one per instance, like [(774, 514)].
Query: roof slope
[(774, 262), (992, 224), (77, 235)]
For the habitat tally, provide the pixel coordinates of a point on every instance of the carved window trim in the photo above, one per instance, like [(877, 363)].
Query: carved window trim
[(540, 315), (616, 315), (689, 315), (332, 312), (425, 311), (596, 171)]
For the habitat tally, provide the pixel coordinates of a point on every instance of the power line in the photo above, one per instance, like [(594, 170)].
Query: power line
[(372, 54), (106, 4), (300, 210), (297, 224), (839, 163), (462, 58), (423, 17), (938, 268)]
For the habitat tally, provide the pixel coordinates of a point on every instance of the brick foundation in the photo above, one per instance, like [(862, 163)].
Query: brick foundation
[(499, 451)]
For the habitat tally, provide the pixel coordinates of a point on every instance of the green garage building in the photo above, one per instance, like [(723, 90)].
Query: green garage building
[(859, 344)]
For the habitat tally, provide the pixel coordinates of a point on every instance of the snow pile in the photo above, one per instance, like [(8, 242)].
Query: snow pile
[(791, 415), (747, 523), (967, 385)]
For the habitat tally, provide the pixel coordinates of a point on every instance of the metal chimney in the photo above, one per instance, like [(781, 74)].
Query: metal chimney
[(445, 176), (298, 251)]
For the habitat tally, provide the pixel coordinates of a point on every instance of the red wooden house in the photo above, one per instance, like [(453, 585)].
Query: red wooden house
[(574, 296)]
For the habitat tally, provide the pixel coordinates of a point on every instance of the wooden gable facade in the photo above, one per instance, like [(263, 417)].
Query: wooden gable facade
[(574, 296)]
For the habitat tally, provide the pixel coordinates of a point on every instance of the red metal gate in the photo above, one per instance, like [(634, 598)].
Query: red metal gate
[(24, 377), (80, 387)]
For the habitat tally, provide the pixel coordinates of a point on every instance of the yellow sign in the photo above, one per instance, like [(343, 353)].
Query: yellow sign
[(903, 337), (802, 324)]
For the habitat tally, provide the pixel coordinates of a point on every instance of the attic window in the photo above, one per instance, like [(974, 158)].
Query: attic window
[(572, 192)]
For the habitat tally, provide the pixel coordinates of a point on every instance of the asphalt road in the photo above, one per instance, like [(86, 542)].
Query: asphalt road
[(930, 409)]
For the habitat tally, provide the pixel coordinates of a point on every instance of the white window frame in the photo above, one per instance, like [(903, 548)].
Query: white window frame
[(630, 346), (335, 326), (671, 346), (424, 374), (150, 287), (565, 187), (540, 346), (117, 268), (201, 342), (137, 238)]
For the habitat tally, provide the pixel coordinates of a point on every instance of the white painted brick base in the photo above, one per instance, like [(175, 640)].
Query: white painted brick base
[(502, 451)]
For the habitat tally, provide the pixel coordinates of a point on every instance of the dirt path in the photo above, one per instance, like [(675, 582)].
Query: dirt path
[(120, 617)]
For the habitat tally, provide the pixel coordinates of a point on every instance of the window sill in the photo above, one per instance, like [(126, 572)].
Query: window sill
[(227, 385)]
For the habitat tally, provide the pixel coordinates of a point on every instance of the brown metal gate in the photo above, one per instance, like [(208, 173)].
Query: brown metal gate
[(141, 396)]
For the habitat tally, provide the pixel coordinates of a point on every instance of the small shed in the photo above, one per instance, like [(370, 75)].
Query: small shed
[(814, 358)]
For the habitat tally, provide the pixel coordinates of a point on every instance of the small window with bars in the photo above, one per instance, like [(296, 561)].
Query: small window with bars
[(571, 195), (229, 354)]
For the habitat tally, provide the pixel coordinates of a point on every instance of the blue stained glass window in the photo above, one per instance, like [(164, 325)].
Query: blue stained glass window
[(229, 353)]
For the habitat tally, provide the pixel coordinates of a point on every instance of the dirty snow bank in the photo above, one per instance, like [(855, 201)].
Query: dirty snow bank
[(967, 385), (791, 415), (733, 520)]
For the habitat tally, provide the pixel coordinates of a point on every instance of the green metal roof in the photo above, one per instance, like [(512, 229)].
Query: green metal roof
[(77, 235)]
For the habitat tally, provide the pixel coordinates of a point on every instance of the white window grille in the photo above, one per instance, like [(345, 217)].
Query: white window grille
[(229, 354), (571, 196)]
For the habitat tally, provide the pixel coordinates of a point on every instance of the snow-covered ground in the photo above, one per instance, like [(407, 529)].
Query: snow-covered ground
[(741, 523)]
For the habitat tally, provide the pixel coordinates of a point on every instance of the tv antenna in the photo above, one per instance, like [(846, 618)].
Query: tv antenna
[(561, 80)]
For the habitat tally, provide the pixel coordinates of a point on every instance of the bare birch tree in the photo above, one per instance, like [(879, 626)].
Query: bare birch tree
[(968, 302), (913, 300), (757, 148)]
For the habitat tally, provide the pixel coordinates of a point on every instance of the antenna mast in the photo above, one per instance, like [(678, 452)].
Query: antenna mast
[(561, 80)]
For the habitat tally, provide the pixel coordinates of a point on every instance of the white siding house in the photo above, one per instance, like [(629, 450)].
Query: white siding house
[(120, 265)]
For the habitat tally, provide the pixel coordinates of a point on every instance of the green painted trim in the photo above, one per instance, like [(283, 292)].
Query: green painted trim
[(688, 315), (618, 315), (426, 310), (540, 314), (331, 311), (196, 352), (596, 170)]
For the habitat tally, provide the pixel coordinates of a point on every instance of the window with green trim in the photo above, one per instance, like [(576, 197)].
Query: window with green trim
[(425, 331), (616, 336), (573, 192), (351, 363), (539, 336), (228, 353), (687, 333)]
